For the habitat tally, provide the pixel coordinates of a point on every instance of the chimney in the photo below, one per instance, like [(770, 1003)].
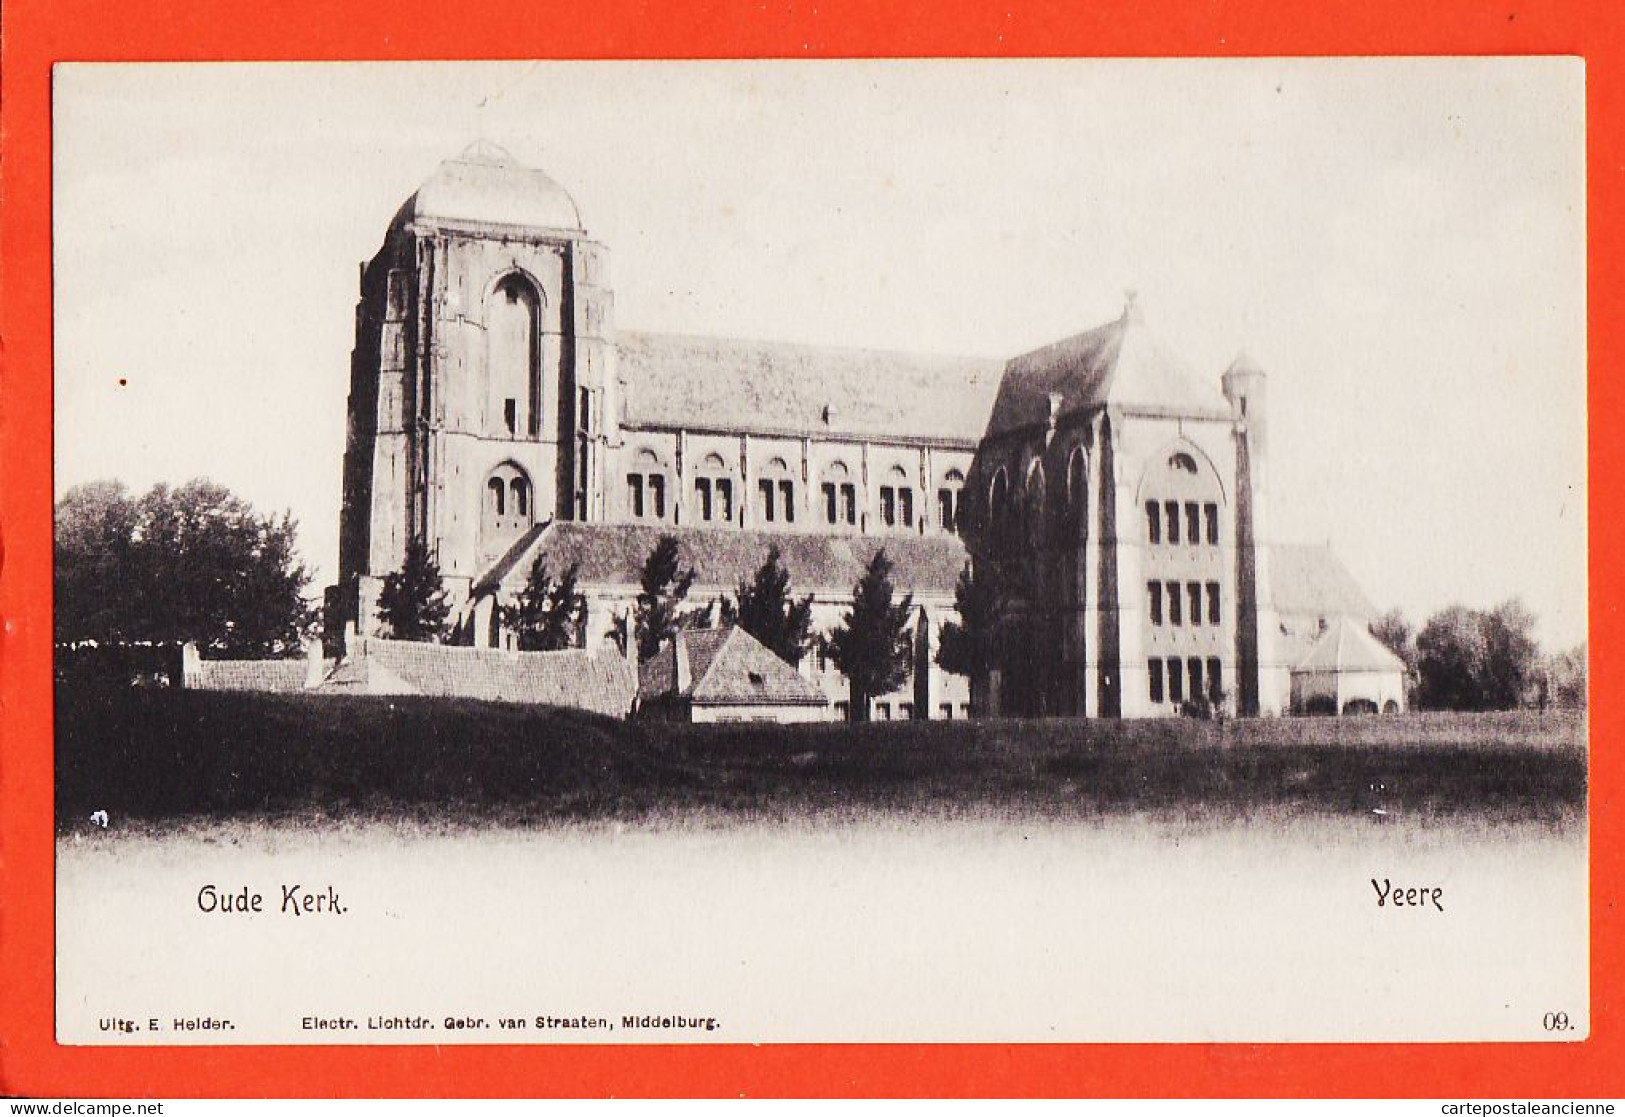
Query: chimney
[(679, 650), (191, 666), (315, 665)]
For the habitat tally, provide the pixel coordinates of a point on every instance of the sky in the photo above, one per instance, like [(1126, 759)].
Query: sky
[(1399, 243)]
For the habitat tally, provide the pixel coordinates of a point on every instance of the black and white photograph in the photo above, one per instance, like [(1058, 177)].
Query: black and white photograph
[(821, 551)]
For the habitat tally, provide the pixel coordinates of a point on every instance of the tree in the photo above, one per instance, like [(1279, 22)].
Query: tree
[(1566, 673), (873, 646), (189, 564), (1510, 655), (664, 587), (764, 608), (1449, 655), (1468, 659), (548, 615), (412, 605), (1396, 634), (977, 643)]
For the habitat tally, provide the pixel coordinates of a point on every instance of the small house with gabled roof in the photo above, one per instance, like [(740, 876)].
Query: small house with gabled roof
[(1348, 671), (725, 674)]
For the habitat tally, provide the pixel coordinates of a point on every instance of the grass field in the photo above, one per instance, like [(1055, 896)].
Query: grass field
[(166, 756)]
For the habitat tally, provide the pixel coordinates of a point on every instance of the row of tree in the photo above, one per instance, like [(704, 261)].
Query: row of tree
[(190, 563), (1482, 659), (873, 645), (197, 563)]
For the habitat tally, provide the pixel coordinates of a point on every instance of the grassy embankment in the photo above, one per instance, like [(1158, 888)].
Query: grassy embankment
[(170, 755)]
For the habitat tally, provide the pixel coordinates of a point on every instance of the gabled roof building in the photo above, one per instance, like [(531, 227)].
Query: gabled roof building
[(497, 412), (725, 674)]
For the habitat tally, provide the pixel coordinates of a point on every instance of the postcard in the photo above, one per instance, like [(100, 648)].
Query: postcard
[(1017, 551)]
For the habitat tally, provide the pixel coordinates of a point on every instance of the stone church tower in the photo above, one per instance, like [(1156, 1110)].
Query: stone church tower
[(482, 384)]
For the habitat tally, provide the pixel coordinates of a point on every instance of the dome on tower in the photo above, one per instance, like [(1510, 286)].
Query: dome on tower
[(487, 186)]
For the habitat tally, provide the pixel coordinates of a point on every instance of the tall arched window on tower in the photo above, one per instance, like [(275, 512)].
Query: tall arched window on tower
[(513, 359)]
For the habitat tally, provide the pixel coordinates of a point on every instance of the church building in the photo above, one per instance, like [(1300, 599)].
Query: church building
[(498, 412)]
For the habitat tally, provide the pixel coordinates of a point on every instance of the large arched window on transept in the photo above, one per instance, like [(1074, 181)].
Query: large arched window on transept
[(513, 364), (1034, 506), (998, 504), (948, 496)]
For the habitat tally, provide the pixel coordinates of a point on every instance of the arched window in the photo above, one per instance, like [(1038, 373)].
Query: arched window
[(948, 496), (998, 499), (646, 486), (507, 511), (896, 499), (1034, 504), (1183, 498), (839, 495), (713, 491), (513, 359), (776, 493)]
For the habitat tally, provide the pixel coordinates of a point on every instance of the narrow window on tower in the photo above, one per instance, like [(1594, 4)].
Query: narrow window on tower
[(634, 493), (498, 496), (849, 497), (1175, 614), (787, 497), (831, 511), (725, 500), (521, 497), (1212, 511), (1194, 591), (1195, 668), (1153, 522), (1153, 670), (510, 415), (1193, 523), (888, 505), (1176, 681), (702, 496), (905, 500), (657, 495), (765, 488), (1213, 603), (1215, 681), (1155, 589), (1172, 510), (945, 511)]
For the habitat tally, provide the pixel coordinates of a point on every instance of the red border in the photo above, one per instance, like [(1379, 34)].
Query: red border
[(36, 33)]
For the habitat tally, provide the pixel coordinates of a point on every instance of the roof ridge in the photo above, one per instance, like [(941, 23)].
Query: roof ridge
[(813, 346)]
